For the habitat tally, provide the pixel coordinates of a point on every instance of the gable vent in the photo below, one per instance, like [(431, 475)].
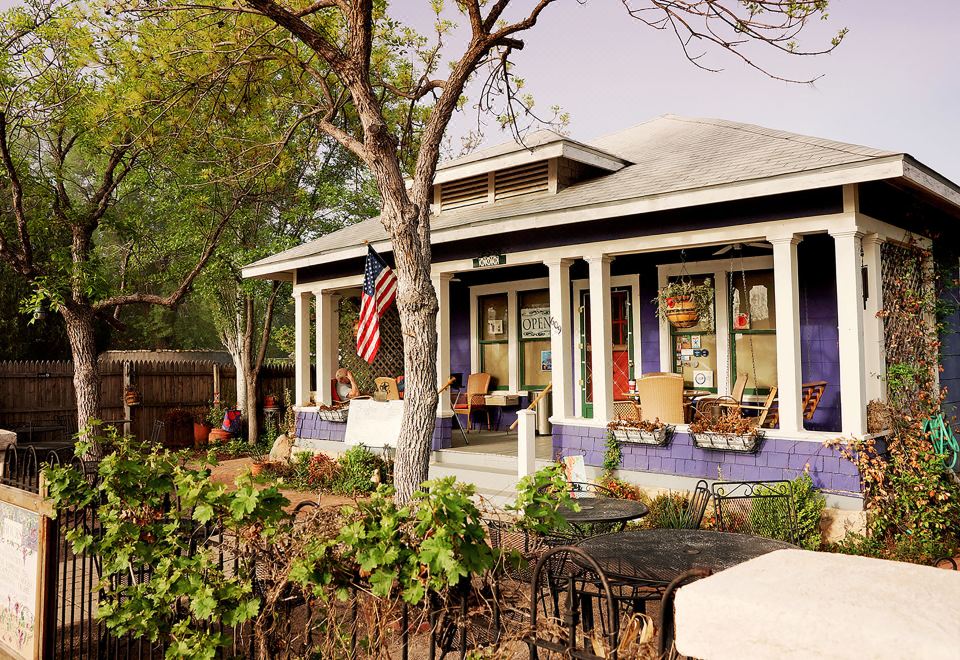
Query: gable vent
[(521, 180), (464, 192)]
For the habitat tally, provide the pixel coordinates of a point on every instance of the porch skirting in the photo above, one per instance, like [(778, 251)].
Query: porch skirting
[(311, 427), (776, 459)]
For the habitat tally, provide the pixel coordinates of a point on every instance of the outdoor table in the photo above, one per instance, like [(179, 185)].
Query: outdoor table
[(603, 511), (656, 557)]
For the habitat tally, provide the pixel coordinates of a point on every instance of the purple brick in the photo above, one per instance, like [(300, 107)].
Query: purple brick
[(669, 465), (683, 450), (777, 460), (831, 464), (770, 474), (797, 461)]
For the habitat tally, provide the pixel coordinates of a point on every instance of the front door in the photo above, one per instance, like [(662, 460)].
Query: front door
[(621, 328)]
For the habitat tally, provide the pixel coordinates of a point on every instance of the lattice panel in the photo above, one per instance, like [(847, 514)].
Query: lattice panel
[(905, 288), (389, 361)]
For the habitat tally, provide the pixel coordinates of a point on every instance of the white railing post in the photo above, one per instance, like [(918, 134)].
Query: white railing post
[(526, 443), (561, 346), (787, 301), (327, 344), (301, 307), (601, 341), (853, 396)]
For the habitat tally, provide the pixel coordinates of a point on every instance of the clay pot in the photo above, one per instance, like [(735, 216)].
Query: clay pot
[(682, 312), (270, 401), (218, 435), (201, 433), (256, 469)]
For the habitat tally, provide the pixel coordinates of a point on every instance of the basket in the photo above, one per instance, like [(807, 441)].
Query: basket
[(659, 438), (747, 443), (334, 414)]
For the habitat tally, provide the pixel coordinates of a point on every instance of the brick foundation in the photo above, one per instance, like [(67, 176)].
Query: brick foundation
[(311, 427)]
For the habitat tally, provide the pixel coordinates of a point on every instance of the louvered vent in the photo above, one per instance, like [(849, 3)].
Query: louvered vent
[(465, 192), (521, 180)]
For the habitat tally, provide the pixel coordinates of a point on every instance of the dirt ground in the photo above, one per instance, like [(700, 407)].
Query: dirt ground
[(227, 471)]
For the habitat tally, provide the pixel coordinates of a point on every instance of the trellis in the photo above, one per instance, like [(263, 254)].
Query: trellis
[(907, 285), (389, 360)]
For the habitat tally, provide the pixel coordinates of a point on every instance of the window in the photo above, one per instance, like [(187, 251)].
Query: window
[(695, 353), (753, 329), (494, 334), (534, 339)]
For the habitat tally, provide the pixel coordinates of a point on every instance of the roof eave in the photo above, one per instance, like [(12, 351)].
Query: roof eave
[(886, 167)]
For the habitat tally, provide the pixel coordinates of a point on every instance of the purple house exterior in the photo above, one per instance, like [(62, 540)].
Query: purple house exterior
[(548, 258)]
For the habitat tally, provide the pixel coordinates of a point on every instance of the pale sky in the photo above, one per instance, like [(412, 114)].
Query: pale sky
[(893, 84)]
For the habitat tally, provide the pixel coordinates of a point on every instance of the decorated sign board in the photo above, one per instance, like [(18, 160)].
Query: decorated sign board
[(22, 549), (489, 260), (535, 323)]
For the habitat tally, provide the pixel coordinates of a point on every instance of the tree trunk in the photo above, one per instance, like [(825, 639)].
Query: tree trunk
[(86, 371), (417, 304), (253, 425)]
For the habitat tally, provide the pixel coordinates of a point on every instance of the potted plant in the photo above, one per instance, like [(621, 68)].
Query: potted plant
[(640, 431), (214, 419), (335, 413), (201, 431), (685, 303), (271, 401), (729, 431), (258, 458)]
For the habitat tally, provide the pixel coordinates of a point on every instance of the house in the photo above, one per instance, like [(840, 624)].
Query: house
[(540, 248)]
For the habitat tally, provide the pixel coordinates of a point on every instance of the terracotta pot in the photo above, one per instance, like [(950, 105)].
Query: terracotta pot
[(132, 398), (219, 435), (256, 469), (270, 401), (201, 433), (682, 312)]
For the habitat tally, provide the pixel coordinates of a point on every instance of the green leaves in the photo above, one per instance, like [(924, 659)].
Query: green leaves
[(540, 499)]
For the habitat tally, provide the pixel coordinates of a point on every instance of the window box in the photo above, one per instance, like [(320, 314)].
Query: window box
[(659, 437), (747, 443), (334, 414)]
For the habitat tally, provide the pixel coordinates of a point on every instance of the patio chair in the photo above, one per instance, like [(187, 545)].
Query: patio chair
[(812, 393), (713, 407), (157, 431), (661, 397), (626, 409), (761, 508), (471, 401), (697, 506)]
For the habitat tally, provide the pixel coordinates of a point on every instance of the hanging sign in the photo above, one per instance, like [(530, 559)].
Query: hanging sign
[(489, 260), (535, 323)]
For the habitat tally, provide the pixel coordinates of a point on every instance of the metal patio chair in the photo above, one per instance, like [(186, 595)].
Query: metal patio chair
[(761, 508), (697, 506)]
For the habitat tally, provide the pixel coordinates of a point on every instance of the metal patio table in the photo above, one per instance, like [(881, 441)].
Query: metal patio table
[(655, 557), (605, 512)]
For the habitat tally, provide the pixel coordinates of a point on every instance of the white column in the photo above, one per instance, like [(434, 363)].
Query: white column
[(301, 311), (873, 338), (561, 345), (601, 341), (526, 442), (327, 344), (853, 395), (787, 297), (441, 284)]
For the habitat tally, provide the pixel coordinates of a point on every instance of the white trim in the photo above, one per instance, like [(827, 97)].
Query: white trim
[(853, 400), (786, 284), (719, 269), (513, 337), (578, 286), (874, 169)]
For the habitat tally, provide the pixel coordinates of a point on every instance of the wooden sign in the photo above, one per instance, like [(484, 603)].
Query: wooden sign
[(23, 540)]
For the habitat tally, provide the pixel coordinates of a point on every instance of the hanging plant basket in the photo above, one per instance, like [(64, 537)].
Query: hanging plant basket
[(659, 437), (131, 396), (745, 443), (686, 304)]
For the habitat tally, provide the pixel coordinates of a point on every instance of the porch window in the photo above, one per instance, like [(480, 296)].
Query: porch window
[(753, 328), (695, 353), (534, 339), (494, 339)]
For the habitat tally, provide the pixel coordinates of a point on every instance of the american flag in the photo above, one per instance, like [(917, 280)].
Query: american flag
[(379, 290)]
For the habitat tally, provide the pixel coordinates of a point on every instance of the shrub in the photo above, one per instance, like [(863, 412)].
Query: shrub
[(540, 497), (358, 467), (623, 490), (667, 511), (321, 470)]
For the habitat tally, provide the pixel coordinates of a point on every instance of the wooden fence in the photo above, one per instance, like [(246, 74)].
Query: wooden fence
[(41, 393)]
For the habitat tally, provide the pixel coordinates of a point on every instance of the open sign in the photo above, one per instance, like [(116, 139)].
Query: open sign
[(535, 323)]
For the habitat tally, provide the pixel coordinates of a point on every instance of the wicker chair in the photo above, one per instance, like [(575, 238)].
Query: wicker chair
[(626, 409), (471, 401), (761, 508), (661, 397)]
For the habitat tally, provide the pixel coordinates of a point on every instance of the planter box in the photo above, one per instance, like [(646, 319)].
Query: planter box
[(660, 437), (334, 414), (727, 442)]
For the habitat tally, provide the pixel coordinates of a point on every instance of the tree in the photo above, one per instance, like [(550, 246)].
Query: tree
[(87, 138), (366, 65)]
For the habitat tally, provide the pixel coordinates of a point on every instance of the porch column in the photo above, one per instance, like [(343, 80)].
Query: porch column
[(853, 395), (601, 339), (441, 284), (561, 346), (327, 344), (301, 311), (873, 338), (787, 300)]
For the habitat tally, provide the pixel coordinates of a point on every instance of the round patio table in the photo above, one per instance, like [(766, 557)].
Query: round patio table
[(603, 511), (656, 557)]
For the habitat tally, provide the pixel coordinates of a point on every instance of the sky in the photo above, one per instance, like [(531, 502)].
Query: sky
[(894, 83)]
